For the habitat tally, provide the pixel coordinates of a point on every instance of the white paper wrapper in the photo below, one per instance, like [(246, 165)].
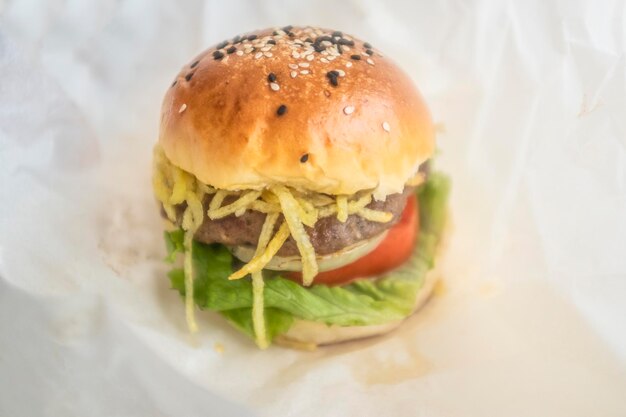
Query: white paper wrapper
[(531, 101)]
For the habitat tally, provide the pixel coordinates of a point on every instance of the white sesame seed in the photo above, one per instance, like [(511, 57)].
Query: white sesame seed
[(369, 61), (386, 127), (326, 43), (348, 110), (268, 54), (295, 55), (304, 64), (248, 50), (258, 55), (182, 108), (293, 66), (304, 72), (294, 74), (274, 86), (342, 73), (310, 58), (332, 58), (324, 60), (239, 53), (348, 64), (266, 48)]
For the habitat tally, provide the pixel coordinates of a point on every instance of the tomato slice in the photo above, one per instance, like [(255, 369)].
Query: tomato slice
[(392, 252)]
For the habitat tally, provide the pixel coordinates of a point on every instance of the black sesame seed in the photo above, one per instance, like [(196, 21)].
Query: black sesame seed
[(337, 33), (318, 48), (367, 45), (188, 76), (291, 34), (222, 45), (252, 37), (194, 64), (218, 55), (287, 28), (271, 77), (304, 158), (321, 39), (271, 42), (345, 42), (174, 83), (369, 52), (356, 57), (339, 49), (308, 40), (332, 77), (282, 109), (237, 39), (231, 50)]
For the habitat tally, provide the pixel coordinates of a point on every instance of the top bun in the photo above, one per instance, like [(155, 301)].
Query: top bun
[(308, 108)]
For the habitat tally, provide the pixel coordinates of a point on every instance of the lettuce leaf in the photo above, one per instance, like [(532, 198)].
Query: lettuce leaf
[(363, 302)]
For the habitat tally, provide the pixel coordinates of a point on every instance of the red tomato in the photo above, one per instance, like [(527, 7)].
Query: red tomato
[(392, 252)]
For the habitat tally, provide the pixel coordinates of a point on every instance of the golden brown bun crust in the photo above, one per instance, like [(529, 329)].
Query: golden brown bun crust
[(219, 120)]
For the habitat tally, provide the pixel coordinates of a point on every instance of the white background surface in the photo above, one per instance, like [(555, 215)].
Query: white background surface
[(531, 101)]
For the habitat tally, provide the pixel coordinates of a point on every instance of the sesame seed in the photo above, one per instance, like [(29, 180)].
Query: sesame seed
[(310, 58), (348, 64), (324, 60), (271, 77), (369, 52), (239, 53), (294, 74), (271, 42), (356, 57), (268, 54), (217, 55), (174, 83), (222, 45), (258, 55), (274, 86), (182, 108), (295, 55), (337, 33), (386, 127), (248, 49), (194, 64), (304, 72), (252, 37), (282, 109), (293, 66), (237, 39), (327, 93), (287, 28), (304, 64), (188, 76), (304, 158), (332, 77), (341, 73), (367, 45), (266, 48), (331, 57), (231, 50), (348, 110), (369, 61), (345, 42)]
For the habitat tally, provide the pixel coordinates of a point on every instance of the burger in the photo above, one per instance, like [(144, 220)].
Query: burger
[(293, 170)]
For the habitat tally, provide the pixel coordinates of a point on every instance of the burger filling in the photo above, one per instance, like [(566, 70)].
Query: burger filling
[(280, 222)]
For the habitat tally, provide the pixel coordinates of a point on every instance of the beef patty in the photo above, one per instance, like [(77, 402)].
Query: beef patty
[(328, 235)]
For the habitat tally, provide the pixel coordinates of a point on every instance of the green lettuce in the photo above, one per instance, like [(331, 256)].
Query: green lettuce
[(363, 302)]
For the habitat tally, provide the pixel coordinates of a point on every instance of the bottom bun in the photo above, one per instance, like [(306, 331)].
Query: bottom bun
[(307, 335)]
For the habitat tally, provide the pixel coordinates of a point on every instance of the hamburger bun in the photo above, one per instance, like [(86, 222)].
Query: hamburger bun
[(338, 126)]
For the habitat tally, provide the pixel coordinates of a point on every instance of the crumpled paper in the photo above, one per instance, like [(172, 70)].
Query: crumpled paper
[(530, 101)]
